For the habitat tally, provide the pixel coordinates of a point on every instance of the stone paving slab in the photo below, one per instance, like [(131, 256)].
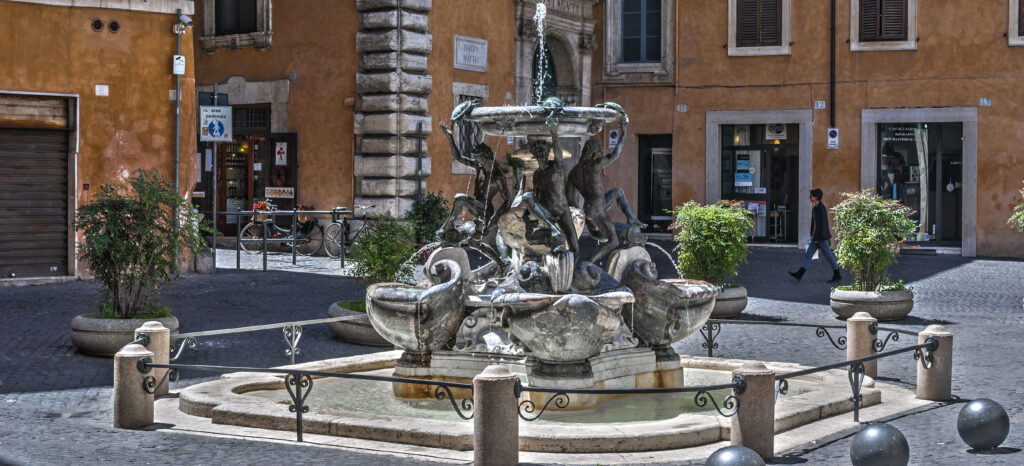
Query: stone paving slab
[(55, 402)]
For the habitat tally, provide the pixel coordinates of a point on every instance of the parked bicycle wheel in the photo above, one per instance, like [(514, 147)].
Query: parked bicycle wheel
[(310, 243), (334, 240), (252, 237)]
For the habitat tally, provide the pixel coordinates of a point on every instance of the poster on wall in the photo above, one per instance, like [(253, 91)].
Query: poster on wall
[(744, 178), (281, 154)]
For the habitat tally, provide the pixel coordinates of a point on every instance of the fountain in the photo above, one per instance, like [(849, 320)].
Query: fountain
[(537, 306)]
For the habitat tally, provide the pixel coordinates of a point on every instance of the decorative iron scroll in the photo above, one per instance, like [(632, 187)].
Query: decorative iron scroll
[(839, 343), (880, 344), (730, 403), (442, 393), (710, 332), (528, 407), (781, 388), (925, 354), (856, 376), (292, 334), (189, 342), (300, 382)]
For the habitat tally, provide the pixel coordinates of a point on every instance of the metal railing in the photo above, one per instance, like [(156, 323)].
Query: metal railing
[(292, 332), (713, 327)]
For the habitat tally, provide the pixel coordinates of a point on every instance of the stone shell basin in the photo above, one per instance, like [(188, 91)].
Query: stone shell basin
[(667, 310), (532, 120), (563, 328), (416, 318)]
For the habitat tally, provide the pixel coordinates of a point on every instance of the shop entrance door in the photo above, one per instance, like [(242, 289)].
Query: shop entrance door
[(760, 170), (654, 187), (921, 165)]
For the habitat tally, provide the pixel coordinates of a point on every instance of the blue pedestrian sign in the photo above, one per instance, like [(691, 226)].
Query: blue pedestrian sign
[(215, 123)]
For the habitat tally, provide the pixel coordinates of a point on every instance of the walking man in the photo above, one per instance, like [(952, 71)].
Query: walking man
[(820, 236)]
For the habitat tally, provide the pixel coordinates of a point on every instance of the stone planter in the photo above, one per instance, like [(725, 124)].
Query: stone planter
[(355, 328), (730, 302), (882, 305), (103, 337)]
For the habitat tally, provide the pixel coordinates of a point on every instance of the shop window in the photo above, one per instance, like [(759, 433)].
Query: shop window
[(759, 27), (883, 25), (235, 24), (641, 31), (760, 173), (1015, 35), (639, 40)]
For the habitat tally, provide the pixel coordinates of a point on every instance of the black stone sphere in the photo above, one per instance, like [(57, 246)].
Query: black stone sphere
[(983, 424), (734, 455), (879, 445)]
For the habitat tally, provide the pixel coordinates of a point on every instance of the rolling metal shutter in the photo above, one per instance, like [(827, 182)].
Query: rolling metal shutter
[(33, 202)]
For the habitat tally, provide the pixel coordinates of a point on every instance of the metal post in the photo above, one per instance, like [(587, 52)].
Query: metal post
[(265, 245), (214, 189), (295, 221), (238, 242)]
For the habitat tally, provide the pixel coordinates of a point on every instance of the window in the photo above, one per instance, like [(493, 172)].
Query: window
[(758, 23), (235, 24), (883, 25), (467, 134), (638, 42), (641, 31), (1015, 35), (235, 17), (882, 20), (759, 27)]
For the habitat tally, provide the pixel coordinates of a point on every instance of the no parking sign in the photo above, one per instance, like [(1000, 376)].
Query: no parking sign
[(833, 138)]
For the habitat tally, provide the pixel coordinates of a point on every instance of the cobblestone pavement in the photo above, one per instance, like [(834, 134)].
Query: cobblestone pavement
[(55, 402)]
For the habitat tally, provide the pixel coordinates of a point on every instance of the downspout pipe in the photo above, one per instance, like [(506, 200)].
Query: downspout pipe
[(832, 67), (177, 113)]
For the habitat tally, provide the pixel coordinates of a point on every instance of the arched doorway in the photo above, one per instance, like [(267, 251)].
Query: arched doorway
[(545, 83), (559, 71)]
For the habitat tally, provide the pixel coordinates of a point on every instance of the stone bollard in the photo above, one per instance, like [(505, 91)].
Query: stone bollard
[(133, 406), (160, 345), (935, 384), (753, 426), (495, 418), (860, 342)]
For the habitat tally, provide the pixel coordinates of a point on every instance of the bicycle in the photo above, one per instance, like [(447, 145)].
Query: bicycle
[(308, 239), (336, 235)]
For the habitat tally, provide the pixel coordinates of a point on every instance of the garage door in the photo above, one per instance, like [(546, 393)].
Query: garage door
[(33, 202)]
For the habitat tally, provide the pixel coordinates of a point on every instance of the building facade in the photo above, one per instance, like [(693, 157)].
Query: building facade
[(87, 96), (736, 99)]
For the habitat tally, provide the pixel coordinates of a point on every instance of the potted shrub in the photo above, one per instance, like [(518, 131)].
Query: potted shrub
[(132, 235), (711, 241), (870, 231), (381, 253), (426, 216), (1017, 219)]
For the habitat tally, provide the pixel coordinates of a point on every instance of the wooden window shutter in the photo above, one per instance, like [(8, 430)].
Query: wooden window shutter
[(894, 20), (883, 20), (758, 23)]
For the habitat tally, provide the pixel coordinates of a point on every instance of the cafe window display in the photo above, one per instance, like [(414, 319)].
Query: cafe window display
[(760, 172), (920, 165)]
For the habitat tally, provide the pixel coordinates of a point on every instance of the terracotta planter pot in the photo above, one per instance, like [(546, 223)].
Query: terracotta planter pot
[(355, 328), (730, 303), (882, 305), (104, 337)]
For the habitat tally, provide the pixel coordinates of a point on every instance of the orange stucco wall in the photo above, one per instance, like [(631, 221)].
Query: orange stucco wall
[(962, 56), (52, 49), (496, 25), (320, 47)]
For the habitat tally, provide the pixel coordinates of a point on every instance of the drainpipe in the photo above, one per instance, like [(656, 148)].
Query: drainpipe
[(419, 161), (832, 67), (178, 31)]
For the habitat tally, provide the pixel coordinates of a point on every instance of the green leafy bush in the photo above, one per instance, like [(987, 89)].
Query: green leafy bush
[(1017, 219), (383, 251), (358, 306), (869, 231), (712, 240), (427, 215), (131, 240)]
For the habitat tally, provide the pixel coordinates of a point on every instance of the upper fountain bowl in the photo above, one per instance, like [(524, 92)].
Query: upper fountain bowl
[(532, 120)]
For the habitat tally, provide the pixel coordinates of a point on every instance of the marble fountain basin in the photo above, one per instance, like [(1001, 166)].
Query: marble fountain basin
[(416, 318), (532, 120), (349, 408)]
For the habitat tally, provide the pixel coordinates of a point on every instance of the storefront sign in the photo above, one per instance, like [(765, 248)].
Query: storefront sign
[(214, 123), (279, 193), (470, 54), (775, 131), (833, 138), (281, 154), (198, 194)]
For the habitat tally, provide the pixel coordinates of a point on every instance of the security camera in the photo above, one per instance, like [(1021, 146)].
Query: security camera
[(185, 20)]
